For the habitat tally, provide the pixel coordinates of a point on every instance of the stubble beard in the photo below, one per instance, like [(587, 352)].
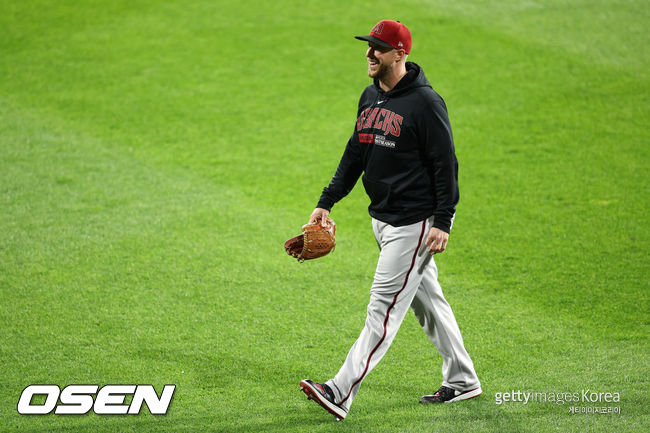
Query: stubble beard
[(382, 73)]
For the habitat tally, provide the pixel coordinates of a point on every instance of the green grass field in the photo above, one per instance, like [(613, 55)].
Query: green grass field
[(156, 154)]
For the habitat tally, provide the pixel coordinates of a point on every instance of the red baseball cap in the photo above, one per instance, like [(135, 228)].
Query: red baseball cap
[(389, 34)]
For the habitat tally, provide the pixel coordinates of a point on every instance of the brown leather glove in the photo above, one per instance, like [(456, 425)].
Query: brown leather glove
[(314, 242)]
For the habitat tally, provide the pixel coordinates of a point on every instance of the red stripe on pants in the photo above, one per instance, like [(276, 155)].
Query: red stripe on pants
[(381, 340)]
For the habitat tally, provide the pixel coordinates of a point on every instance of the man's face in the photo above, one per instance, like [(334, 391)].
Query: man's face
[(380, 60)]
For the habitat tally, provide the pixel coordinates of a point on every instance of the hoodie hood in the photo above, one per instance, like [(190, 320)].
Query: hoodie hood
[(414, 78)]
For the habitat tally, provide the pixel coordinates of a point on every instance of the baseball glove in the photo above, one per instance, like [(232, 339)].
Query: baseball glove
[(314, 242)]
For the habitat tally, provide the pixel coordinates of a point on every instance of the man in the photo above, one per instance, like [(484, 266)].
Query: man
[(403, 146)]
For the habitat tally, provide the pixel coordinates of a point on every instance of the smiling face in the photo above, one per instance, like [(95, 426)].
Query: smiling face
[(380, 61)]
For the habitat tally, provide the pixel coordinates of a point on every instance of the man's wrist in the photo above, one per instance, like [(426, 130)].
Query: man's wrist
[(441, 226)]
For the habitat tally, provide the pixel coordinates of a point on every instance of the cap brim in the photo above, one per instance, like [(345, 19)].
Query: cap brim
[(375, 40)]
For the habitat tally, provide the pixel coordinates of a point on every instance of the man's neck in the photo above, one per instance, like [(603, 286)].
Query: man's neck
[(387, 84)]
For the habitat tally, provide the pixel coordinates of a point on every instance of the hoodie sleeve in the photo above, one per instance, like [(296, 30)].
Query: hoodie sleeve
[(345, 177), (438, 146)]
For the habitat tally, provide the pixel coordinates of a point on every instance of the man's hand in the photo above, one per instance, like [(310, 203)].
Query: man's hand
[(322, 215), (436, 240)]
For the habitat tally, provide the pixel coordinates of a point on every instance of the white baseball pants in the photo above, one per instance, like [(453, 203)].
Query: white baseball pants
[(406, 276)]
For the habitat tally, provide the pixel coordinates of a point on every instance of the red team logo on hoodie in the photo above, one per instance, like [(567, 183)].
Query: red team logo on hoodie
[(380, 119)]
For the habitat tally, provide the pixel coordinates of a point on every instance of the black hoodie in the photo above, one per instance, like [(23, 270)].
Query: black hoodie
[(402, 143)]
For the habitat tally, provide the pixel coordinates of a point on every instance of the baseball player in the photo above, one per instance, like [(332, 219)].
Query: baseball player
[(402, 145)]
